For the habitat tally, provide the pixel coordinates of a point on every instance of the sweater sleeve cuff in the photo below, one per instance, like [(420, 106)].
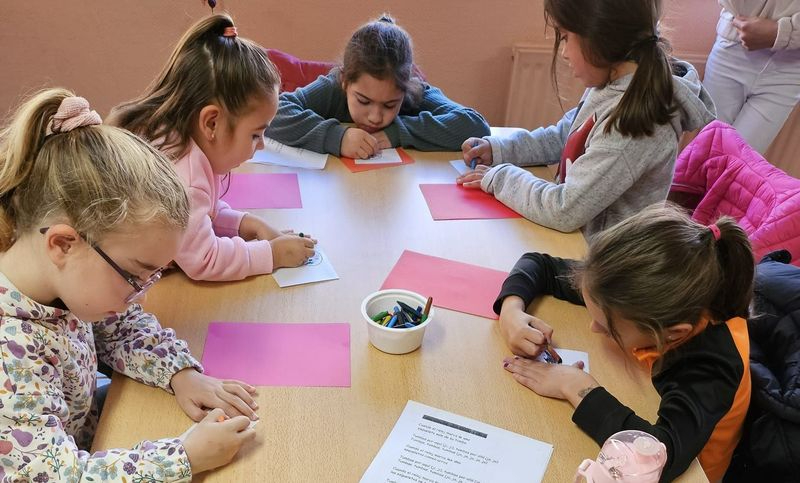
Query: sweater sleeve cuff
[(261, 256), (392, 131), (179, 363), (595, 411), (227, 222), (167, 455), (333, 139), (514, 285), (486, 182), (784, 36), (497, 152)]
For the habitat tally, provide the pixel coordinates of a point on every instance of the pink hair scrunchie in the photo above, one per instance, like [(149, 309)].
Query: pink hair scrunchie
[(715, 231), (73, 112)]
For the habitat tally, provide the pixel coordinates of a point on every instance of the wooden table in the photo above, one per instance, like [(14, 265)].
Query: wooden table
[(364, 221)]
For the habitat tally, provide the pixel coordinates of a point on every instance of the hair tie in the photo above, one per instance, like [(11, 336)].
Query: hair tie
[(229, 32), (714, 231), (647, 40), (73, 112)]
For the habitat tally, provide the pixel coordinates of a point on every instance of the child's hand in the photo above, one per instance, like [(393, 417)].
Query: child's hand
[(195, 392), (479, 149), (383, 140), (473, 178), (253, 227), (525, 334), (213, 443), (291, 250), (358, 143), (756, 33), (558, 381)]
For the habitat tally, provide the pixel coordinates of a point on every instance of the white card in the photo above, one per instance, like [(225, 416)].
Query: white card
[(385, 156), (460, 166), (569, 357), (283, 155), (317, 269), (186, 433), (431, 445)]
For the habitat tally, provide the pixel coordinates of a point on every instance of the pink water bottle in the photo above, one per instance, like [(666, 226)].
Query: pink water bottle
[(628, 456)]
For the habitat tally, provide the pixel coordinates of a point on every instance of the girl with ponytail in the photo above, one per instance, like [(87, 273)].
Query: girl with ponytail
[(90, 215), (207, 110), (674, 295), (616, 150)]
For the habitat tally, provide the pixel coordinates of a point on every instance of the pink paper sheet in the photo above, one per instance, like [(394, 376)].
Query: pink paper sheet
[(260, 190), (453, 285), (454, 202), (279, 354)]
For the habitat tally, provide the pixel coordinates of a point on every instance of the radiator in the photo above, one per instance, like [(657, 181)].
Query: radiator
[(532, 102)]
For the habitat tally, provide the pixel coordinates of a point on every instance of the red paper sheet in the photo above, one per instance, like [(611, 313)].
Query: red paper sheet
[(453, 285), (454, 202), (279, 354), (255, 191)]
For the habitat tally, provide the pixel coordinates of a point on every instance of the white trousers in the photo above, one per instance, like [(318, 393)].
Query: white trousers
[(754, 91)]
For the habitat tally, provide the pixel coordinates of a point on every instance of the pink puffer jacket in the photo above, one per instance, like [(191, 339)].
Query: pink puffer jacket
[(730, 178)]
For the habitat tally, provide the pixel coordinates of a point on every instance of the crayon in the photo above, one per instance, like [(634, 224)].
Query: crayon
[(380, 316), (474, 162), (427, 306)]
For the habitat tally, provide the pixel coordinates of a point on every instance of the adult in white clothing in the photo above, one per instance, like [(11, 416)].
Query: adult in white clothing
[(753, 70)]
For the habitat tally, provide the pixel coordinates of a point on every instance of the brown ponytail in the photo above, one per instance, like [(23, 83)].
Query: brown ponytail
[(659, 268), (614, 31), (209, 64)]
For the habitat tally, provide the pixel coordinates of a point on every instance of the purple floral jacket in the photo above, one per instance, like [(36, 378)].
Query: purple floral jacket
[(47, 412)]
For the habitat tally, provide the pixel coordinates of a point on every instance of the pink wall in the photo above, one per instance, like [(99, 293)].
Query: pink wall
[(109, 51)]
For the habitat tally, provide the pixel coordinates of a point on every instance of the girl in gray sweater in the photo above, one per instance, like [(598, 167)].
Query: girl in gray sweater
[(378, 90), (616, 150)]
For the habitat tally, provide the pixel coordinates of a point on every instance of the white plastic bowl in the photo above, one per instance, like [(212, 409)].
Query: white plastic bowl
[(391, 340)]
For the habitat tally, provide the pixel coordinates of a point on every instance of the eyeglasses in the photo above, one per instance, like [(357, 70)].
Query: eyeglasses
[(138, 288)]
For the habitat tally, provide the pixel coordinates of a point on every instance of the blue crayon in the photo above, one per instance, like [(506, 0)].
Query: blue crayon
[(474, 162)]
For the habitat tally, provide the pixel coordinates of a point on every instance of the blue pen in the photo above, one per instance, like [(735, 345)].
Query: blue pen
[(474, 161)]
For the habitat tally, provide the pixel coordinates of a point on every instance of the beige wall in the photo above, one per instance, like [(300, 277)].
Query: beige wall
[(109, 50)]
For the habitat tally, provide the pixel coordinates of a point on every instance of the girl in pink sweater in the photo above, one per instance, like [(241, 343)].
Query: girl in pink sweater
[(208, 110)]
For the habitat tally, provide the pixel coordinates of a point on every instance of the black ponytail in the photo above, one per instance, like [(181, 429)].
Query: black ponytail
[(737, 269)]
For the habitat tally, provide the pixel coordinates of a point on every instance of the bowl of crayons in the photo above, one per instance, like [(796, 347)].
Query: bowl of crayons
[(396, 319)]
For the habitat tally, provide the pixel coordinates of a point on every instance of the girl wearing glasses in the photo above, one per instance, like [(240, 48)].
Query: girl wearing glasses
[(88, 215)]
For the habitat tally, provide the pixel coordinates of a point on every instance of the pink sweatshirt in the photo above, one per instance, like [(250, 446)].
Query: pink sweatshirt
[(211, 248)]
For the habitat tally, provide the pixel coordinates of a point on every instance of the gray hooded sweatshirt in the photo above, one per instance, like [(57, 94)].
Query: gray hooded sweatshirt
[(616, 176)]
